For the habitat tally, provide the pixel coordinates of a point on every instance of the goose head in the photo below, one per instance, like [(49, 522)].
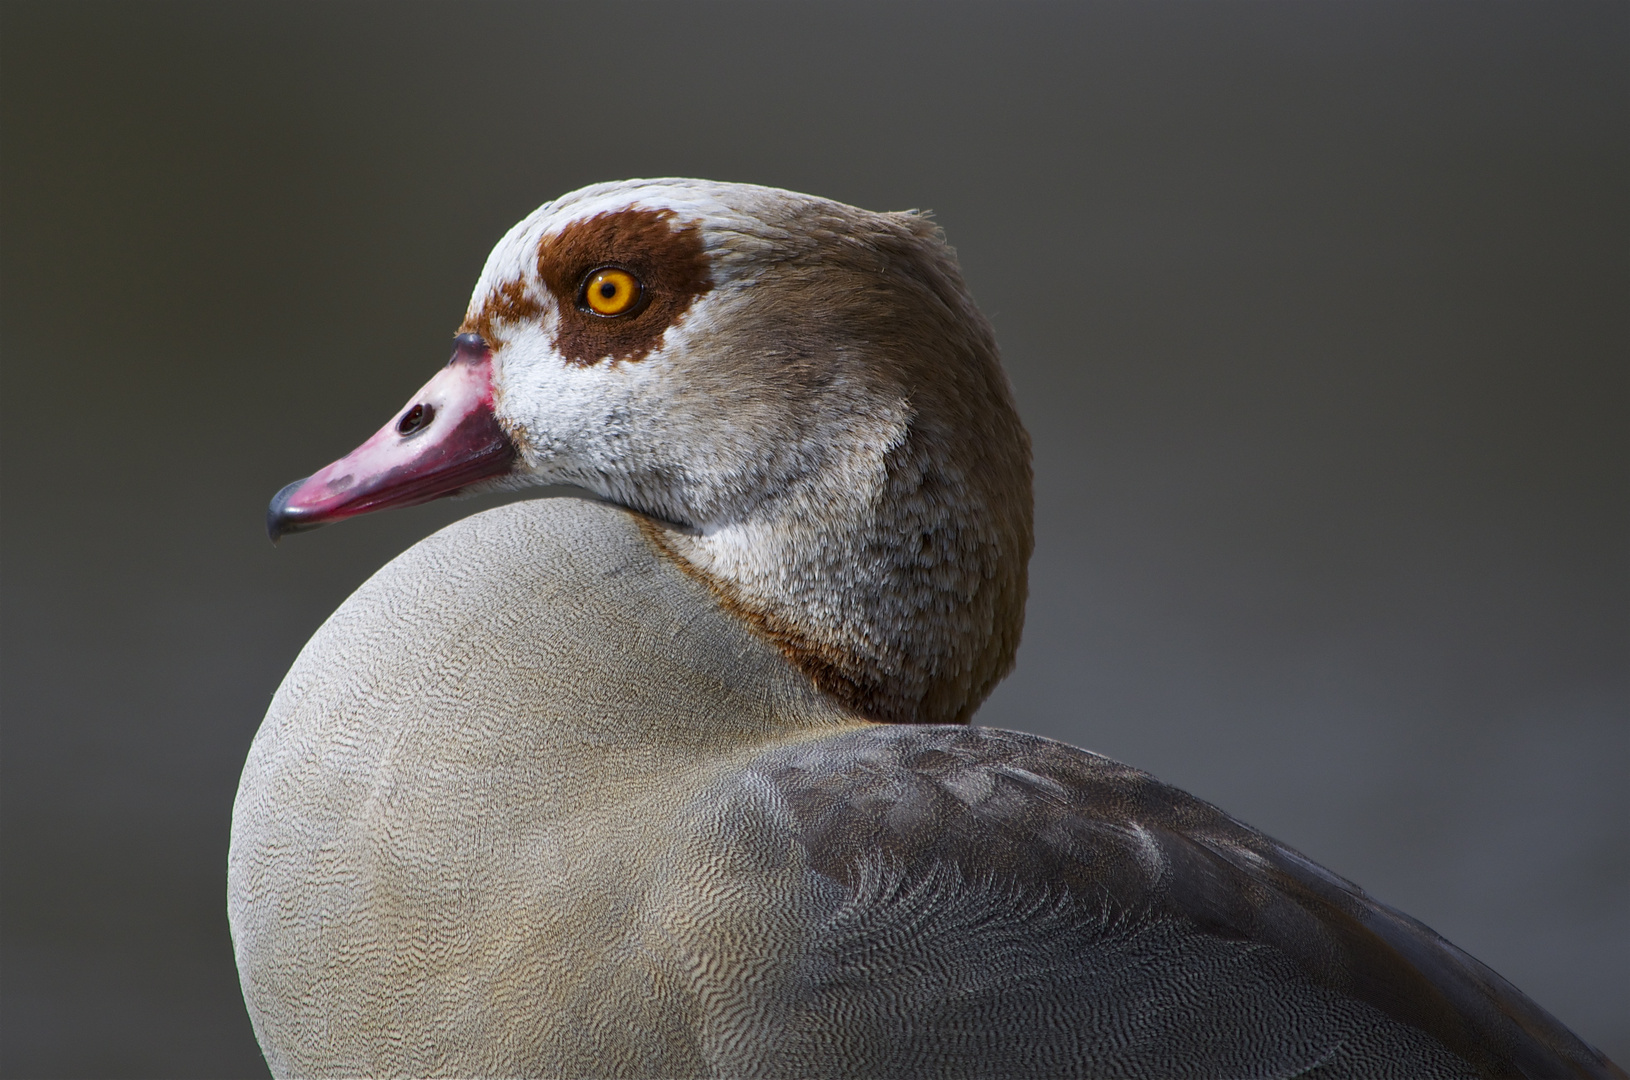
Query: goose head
[(797, 397)]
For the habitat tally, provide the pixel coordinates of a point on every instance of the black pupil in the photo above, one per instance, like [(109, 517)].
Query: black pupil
[(608, 289)]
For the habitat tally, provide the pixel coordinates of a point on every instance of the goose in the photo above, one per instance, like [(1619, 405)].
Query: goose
[(677, 778)]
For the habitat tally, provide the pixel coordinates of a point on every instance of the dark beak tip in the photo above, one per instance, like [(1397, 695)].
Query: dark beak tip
[(280, 520)]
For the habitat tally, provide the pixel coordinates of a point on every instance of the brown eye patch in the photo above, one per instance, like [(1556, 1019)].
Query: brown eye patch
[(667, 261)]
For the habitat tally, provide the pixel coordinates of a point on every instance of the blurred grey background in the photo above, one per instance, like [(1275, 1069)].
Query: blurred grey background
[(1317, 314)]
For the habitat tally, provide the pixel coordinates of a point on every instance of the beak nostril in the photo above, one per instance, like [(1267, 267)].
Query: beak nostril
[(415, 419)]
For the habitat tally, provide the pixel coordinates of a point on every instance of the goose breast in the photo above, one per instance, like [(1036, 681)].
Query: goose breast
[(444, 827)]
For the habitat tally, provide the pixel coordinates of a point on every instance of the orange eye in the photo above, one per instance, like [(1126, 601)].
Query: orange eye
[(610, 291)]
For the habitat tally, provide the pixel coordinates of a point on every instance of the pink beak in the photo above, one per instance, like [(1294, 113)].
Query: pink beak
[(447, 438)]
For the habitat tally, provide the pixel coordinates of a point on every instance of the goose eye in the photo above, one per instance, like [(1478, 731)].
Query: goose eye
[(610, 291)]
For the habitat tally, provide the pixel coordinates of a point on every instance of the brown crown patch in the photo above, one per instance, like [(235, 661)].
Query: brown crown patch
[(667, 259)]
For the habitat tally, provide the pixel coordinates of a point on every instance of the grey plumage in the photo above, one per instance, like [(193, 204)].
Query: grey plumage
[(530, 804)]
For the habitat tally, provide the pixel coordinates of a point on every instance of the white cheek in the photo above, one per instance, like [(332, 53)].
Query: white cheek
[(581, 422)]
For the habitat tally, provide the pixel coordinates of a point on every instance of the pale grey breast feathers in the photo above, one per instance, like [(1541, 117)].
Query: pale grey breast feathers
[(463, 790)]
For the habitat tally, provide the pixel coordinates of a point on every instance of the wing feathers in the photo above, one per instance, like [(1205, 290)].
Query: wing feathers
[(1036, 817)]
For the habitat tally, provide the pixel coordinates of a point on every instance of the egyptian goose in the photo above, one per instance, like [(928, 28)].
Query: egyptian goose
[(675, 780)]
